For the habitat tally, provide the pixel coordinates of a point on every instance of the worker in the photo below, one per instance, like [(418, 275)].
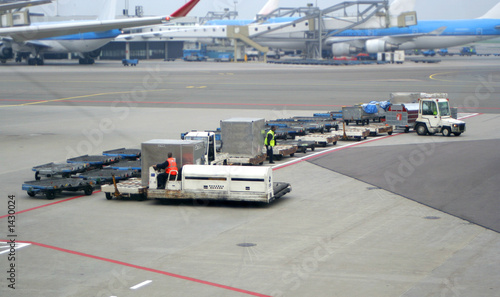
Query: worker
[(270, 142), (170, 166)]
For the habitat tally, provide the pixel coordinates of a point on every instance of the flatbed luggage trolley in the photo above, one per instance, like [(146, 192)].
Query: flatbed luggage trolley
[(59, 169), (50, 187), (124, 153)]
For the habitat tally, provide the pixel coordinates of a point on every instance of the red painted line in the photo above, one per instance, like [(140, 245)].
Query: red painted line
[(144, 268), (45, 205)]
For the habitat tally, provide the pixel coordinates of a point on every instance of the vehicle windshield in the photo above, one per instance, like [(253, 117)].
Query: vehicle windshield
[(204, 139), (444, 108)]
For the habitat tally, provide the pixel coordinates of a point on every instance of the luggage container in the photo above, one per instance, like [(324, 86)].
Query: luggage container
[(402, 116), (358, 115), (243, 140), (156, 151)]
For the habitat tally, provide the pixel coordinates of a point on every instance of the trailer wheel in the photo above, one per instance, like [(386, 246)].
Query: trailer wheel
[(457, 133), (446, 131), (88, 190), (31, 193), (390, 133), (421, 129), (142, 197), (37, 175), (108, 196), (50, 195)]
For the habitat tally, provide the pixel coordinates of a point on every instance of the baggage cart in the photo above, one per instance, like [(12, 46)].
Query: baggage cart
[(51, 187), (127, 188), (282, 150), (302, 145), (59, 169), (320, 139), (352, 133), (102, 176), (126, 165), (123, 153), (131, 62), (379, 129), (358, 114), (94, 160)]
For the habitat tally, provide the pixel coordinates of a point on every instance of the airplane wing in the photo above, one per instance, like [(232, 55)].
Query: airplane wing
[(46, 30), (22, 4), (24, 33)]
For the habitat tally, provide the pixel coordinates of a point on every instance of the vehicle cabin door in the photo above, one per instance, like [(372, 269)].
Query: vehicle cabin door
[(430, 113)]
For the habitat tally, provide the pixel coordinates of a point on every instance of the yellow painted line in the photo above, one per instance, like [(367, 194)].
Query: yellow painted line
[(433, 76), (82, 96)]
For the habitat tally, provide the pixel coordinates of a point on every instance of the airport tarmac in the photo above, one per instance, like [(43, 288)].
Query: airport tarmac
[(400, 215)]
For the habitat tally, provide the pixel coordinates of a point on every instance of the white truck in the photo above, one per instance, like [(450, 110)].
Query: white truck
[(426, 113), (434, 116)]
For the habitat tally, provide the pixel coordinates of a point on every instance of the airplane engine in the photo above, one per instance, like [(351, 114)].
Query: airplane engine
[(343, 49), (379, 46), (6, 52)]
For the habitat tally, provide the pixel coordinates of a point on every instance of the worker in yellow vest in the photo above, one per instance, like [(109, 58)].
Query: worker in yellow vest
[(270, 142)]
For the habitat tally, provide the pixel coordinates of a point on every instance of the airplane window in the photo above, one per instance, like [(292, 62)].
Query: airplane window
[(268, 28), (307, 24), (294, 25), (223, 30), (256, 29), (213, 29)]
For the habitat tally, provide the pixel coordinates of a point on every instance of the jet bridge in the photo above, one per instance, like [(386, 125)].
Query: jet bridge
[(321, 23)]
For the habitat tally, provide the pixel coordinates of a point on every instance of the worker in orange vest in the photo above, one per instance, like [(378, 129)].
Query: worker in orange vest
[(170, 166)]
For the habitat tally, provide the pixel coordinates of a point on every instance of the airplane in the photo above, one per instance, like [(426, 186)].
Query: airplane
[(272, 31), (83, 37), (424, 34), (427, 34)]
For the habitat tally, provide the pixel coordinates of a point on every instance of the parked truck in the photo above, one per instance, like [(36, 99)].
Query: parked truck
[(431, 114)]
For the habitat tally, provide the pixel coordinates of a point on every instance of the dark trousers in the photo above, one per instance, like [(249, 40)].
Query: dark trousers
[(270, 153), (161, 180)]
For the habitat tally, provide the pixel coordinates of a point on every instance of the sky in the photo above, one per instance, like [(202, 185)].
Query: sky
[(426, 9)]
